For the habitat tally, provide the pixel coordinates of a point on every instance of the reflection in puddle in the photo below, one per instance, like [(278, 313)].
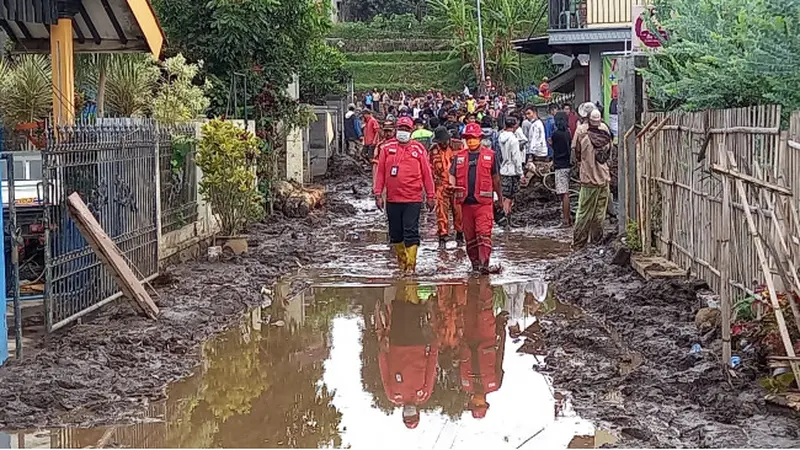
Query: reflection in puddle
[(599, 439), (402, 364)]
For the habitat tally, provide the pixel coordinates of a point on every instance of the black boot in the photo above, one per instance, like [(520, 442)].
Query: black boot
[(442, 242), (460, 237)]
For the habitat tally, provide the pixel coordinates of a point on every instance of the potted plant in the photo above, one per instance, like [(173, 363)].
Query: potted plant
[(227, 156)]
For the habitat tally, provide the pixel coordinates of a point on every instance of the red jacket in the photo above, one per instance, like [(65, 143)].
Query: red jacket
[(484, 185), (408, 365), (409, 373), (483, 347), (573, 123), (372, 131), (403, 170)]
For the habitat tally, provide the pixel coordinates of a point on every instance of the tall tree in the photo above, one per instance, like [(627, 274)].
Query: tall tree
[(726, 53), (503, 21)]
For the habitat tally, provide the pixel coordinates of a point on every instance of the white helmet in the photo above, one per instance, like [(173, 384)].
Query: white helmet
[(585, 109)]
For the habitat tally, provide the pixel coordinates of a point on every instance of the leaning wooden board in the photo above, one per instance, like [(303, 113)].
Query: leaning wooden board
[(111, 256), (651, 267)]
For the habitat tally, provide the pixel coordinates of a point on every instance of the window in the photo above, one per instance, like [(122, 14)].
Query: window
[(19, 170), (35, 169)]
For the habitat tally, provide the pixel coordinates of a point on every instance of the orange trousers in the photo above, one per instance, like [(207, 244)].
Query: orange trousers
[(445, 205)]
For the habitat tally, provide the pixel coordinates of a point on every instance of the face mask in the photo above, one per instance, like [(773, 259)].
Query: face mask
[(403, 136), (473, 143)]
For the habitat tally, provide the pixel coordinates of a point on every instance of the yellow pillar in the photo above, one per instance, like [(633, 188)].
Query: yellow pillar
[(62, 57)]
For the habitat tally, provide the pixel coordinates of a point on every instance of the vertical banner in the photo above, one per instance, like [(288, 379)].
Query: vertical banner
[(610, 92)]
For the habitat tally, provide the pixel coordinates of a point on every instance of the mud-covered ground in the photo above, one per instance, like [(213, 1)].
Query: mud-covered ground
[(107, 369), (627, 365)]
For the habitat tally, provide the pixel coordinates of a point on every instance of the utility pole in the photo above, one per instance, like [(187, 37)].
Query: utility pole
[(480, 48)]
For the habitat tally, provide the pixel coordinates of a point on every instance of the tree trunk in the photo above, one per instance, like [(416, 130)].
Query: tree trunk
[(101, 90), (297, 201)]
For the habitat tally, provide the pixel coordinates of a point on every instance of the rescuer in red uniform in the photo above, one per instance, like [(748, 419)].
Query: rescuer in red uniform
[(482, 347), (408, 351), (475, 174), (404, 172)]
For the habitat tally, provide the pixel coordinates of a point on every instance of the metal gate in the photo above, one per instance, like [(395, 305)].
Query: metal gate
[(112, 165)]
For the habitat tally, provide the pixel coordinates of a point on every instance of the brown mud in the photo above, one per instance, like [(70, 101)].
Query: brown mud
[(616, 346), (109, 368), (626, 362)]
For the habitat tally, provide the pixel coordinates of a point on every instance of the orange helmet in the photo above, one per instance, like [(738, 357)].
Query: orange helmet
[(472, 130)]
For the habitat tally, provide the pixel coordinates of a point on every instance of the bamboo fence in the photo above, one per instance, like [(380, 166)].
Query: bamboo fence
[(718, 192)]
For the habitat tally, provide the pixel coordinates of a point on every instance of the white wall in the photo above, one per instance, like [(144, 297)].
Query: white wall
[(295, 160), (595, 74)]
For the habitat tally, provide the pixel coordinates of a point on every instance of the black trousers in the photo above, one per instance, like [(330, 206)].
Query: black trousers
[(403, 223)]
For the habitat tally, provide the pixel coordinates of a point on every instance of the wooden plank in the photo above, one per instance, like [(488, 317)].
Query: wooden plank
[(724, 261), (750, 179), (111, 256), (654, 267), (762, 259), (648, 126), (745, 130)]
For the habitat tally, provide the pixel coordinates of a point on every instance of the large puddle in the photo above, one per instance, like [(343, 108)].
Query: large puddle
[(401, 364), (363, 360)]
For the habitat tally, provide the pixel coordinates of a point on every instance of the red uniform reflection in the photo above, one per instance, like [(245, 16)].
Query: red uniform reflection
[(408, 351), (482, 346)]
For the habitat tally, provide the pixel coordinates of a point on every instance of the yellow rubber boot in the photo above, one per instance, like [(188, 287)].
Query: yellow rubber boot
[(412, 294), (411, 259), (402, 256)]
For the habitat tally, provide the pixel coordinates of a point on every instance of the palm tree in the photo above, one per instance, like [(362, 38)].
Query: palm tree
[(92, 70), (130, 85), (26, 92), (503, 22)]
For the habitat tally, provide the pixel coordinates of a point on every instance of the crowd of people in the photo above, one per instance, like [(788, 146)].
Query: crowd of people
[(467, 158)]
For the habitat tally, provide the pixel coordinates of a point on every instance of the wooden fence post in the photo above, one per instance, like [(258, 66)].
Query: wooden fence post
[(724, 258)]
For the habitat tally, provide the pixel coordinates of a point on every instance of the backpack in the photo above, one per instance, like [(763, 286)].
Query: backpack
[(601, 141)]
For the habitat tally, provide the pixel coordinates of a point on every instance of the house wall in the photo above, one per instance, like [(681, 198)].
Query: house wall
[(609, 13), (295, 155), (595, 74), (596, 68)]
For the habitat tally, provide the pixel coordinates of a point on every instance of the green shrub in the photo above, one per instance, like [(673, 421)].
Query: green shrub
[(632, 236), (408, 76), (398, 57), (393, 26), (227, 156), (384, 45)]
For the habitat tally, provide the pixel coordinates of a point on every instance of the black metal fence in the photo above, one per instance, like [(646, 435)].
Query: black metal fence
[(178, 176), (112, 165)]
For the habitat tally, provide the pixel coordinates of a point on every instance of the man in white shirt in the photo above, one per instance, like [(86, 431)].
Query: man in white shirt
[(511, 169), (537, 139)]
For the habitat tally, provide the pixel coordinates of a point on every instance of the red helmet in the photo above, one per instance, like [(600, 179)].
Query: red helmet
[(411, 422), (479, 412), (406, 121), (472, 130)]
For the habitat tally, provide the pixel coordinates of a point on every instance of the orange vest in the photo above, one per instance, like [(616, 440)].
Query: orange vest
[(484, 186)]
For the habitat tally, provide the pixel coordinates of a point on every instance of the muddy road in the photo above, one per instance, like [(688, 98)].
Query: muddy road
[(585, 354)]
